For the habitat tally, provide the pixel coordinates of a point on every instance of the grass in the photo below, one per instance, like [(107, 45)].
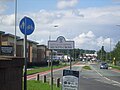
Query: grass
[(86, 67), (115, 67), (41, 69), (38, 85)]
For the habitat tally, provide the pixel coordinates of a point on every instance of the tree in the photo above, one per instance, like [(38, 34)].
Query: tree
[(102, 54), (116, 52)]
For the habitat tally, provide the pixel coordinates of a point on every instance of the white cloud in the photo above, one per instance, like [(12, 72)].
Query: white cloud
[(7, 19), (62, 4), (85, 40), (87, 27), (90, 41)]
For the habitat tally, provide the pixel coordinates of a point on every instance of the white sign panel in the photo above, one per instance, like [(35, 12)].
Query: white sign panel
[(60, 43), (70, 80)]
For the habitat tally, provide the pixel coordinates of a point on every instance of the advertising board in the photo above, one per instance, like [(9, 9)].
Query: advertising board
[(70, 80)]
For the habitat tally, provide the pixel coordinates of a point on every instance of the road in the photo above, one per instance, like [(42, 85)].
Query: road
[(99, 79), (95, 79)]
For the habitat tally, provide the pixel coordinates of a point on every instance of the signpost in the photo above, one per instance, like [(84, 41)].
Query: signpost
[(60, 43), (27, 27), (70, 80)]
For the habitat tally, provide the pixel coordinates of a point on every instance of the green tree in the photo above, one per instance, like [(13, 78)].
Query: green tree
[(102, 54), (116, 52)]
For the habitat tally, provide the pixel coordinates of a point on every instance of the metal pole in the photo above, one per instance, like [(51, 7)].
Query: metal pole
[(25, 68), (110, 49), (51, 70), (15, 27), (69, 60), (74, 51), (70, 63)]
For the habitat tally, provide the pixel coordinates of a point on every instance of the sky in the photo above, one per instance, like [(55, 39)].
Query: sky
[(90, 23)]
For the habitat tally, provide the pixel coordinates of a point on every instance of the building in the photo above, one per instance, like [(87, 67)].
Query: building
[(31, 49), (1, 33), (8, 39), (41, 53), (35, 53), (7, 44)]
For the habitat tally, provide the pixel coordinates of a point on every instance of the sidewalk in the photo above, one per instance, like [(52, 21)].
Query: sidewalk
[(115, 70), (29, 77)]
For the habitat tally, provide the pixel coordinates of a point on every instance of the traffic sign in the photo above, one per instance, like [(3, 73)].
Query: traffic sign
[(70, 80), (27, 26)]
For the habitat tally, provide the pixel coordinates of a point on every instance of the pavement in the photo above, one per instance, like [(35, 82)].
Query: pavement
[(33, 76), (29, 77), (115, 70)]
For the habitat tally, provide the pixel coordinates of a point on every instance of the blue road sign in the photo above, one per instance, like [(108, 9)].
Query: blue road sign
[(27, 26)]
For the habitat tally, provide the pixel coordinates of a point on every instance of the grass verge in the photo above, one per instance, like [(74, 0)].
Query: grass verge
[(38, 85), (41, 69), (86, 67), (115, 67)]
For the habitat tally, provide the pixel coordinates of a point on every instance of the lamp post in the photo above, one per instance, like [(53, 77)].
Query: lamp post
[(52, 62), (110, 49), (15, 28)]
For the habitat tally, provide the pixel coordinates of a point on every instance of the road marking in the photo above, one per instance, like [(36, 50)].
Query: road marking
[(113, 81)]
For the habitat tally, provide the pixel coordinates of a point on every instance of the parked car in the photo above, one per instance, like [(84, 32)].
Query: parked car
[(103, 65)]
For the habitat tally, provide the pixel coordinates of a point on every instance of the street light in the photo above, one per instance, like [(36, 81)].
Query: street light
[(15, 28)]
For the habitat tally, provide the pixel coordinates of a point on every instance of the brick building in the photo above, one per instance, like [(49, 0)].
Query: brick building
[(36, 53), (31, 48)]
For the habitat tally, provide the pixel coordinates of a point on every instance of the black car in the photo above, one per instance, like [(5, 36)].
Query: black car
[(104, 66)]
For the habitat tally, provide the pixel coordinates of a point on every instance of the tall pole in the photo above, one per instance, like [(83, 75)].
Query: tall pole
[(70, 63), (25, 52), (15, 27), (110, 49), (51, 69)]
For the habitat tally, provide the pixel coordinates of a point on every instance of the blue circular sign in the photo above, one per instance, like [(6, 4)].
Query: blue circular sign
[(27, 26)]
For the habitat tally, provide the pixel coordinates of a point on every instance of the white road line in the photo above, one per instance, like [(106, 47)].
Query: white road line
[(115, 82)]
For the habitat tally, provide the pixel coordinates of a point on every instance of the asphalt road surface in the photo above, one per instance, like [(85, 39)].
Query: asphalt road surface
[(95, 79), (99, 79)]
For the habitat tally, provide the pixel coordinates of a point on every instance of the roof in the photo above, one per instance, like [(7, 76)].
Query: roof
[(1, 32), (11, 35), (28, 41), (41, 45)]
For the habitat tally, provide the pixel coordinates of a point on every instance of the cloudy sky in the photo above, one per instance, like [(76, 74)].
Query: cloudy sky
[(90, 23)]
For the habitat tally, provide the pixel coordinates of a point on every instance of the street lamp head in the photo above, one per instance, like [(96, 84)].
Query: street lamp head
[(56, 26)]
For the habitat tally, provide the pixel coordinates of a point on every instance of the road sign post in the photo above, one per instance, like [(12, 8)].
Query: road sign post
[(51, 70), (61, 43), (27, 27)]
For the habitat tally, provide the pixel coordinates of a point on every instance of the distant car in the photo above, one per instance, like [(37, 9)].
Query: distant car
[(104, 66)]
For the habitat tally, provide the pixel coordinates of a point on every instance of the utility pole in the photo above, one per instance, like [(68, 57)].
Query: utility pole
[(110, 50), (15, 28)]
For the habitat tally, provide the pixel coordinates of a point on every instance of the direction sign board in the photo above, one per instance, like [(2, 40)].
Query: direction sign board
[(70, 80), (60, 43), (27, 26)]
